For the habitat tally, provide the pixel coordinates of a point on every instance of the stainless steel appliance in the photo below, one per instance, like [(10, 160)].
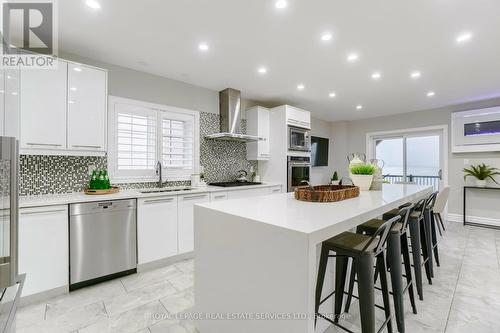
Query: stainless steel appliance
[(230, 118), (11, 283), (299, 170), (298, 139), (103, 241)]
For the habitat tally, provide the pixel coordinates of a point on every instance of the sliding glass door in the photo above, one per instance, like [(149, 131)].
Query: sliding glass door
[(411, 158)]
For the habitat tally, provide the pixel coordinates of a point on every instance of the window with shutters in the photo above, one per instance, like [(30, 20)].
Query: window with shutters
[(141, 134)]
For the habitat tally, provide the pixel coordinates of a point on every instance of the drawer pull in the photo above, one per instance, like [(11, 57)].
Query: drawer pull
[(159, 200), (83, 146), (43, 144), (44, 212), (195, 197), (219, 196)]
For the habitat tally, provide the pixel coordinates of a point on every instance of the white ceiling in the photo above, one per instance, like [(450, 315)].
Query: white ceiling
[(391, 36)]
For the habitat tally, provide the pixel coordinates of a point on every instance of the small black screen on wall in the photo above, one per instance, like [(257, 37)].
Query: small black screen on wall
[(319, 151)]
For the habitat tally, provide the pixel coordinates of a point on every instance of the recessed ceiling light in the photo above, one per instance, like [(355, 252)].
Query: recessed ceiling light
[(463, 37), (301, 87), (359, 107), (71, 102), (14, 93), (326, 37), (352, 57), (203, 47), (431, 94), (262, 70), (77, 69), (280, 4), (73, 89), (93, 4), (376, 75), (415, 74), (332, 95)]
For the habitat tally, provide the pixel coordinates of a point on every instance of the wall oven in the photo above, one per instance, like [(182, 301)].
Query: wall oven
[(299, 170), (298, 139)]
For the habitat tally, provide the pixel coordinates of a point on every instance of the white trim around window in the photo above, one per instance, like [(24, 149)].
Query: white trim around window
[(140, 134)]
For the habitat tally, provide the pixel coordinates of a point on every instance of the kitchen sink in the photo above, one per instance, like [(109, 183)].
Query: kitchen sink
[(166, 189)]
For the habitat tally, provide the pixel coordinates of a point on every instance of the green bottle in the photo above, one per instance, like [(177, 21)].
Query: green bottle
[(101, 181), (93, 180), (107, 183)]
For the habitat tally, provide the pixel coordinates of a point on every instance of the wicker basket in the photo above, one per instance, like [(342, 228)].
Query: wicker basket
[(326, 193)]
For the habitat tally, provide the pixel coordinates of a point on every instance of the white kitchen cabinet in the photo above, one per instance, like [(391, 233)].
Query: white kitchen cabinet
[(4, 232), (216, 196), (274, 189), (43, 248), (156, 228), (43, 108), (87, 105), (254, 192), (258, 125), (298, 117), (185, 219), (2, 102), (11, 102)]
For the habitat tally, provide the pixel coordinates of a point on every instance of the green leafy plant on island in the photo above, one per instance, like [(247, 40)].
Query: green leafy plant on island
[(335, 177), (481, 172), (363, 169)]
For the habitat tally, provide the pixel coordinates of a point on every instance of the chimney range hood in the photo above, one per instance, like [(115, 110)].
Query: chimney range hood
[(230, 118)]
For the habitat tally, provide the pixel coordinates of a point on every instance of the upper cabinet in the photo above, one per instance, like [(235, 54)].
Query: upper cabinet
[(10, 102), (63, 110), (258, 125), (86, 108), (43, 108), (298, 117)]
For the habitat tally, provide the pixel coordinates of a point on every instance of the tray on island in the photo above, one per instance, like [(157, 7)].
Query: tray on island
[(112, 190), (326, 193)]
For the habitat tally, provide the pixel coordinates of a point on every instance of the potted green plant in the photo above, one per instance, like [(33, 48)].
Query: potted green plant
[(362, 175), (335, 178), (481, 173)]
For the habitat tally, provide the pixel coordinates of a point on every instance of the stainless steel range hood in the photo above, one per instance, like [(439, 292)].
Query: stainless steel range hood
[(230, 118)]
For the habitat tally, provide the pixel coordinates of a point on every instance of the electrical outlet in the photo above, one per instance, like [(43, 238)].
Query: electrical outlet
[(91, 169), (466, 161)]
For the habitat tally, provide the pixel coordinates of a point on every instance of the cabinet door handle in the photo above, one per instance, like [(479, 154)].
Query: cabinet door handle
[(83, 146), (43, 144), (276, 190), (159, 200), (219, 196), (195, 197), (44, 212)]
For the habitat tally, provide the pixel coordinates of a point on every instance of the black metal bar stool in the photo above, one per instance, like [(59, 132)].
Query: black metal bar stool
[(397, 245), (419, 243), (363, 250), (429, 215)]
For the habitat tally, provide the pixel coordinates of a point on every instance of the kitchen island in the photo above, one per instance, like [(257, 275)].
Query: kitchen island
[(256, 259)]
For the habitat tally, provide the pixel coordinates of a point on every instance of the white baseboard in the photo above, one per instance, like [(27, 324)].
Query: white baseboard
[(473, 219)]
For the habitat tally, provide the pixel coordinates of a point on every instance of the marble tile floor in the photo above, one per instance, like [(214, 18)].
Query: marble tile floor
[(465, 296)]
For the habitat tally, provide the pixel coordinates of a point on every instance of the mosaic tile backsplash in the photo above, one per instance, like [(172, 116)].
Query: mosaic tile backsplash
[(66, 174)]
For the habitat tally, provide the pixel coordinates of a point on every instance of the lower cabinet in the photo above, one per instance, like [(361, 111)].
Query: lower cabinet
[(156, 228), (185, 219), (43, 248)]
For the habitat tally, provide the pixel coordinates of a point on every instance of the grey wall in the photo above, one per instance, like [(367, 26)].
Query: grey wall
[(352, 138)]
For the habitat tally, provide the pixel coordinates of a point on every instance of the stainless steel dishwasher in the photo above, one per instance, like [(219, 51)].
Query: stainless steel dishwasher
[(103, 241)]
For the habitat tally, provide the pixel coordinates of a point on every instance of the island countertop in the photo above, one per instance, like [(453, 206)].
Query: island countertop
[(320, 219), (259, 255)]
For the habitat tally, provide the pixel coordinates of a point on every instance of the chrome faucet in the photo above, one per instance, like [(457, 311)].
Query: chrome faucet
[(159, 173)]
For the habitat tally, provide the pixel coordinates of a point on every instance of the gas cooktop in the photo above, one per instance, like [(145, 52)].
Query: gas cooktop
[(234, 184)]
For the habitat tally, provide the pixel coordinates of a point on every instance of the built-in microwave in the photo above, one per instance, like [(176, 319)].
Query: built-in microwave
[(298, 139)]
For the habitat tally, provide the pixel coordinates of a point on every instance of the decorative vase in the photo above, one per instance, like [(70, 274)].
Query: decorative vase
[(481, 183), (362, 181)]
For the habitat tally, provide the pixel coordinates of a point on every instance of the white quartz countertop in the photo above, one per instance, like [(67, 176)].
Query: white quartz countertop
[(70, 198), (283, 211)]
